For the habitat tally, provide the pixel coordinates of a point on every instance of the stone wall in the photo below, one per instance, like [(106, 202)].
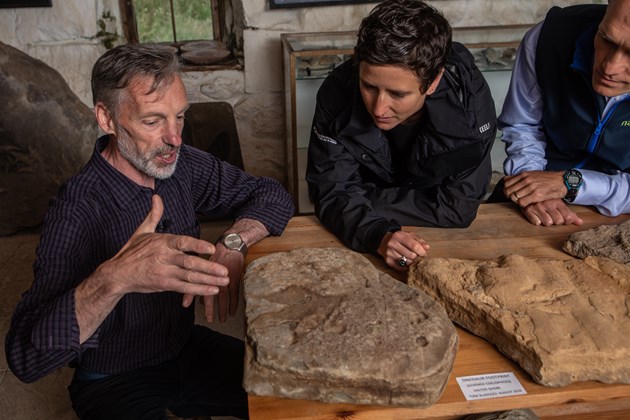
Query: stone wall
[(63, 36)]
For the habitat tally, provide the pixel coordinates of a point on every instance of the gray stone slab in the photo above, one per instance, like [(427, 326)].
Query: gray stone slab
[(563, 321), (324, 324), (610, 241)]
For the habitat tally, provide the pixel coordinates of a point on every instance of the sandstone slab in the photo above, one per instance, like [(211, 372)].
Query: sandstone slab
[(324, 324), (610, 241), (562, 321)]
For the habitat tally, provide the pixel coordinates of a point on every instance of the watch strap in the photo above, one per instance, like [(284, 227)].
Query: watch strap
[(227, 238)]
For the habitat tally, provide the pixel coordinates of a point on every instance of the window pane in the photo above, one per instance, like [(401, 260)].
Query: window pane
[(153, 18), (193, 20)]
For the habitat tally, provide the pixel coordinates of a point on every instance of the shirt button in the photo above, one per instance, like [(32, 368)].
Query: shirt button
[(364, 156)]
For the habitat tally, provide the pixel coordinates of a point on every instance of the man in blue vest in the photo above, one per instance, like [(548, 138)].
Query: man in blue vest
[(566, 117)]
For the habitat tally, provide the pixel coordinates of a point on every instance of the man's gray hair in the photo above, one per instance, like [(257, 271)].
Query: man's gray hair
[(115, 69)]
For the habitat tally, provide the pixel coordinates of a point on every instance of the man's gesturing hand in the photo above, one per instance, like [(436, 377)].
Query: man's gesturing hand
[(148, 262), (155, 262)]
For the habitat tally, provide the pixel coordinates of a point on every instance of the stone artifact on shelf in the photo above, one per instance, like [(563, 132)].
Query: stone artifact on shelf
[(610, 241), (324, 324), (204, 52), (562, 320)]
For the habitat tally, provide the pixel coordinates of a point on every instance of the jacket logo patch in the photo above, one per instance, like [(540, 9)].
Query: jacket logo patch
[(625, 123), (323, 137), (486, 127)]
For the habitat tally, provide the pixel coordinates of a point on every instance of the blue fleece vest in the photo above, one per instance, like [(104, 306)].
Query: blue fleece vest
[(577, 136)]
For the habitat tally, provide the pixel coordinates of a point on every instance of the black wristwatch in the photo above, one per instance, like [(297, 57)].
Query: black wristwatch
[(573, 181), (234, 242)]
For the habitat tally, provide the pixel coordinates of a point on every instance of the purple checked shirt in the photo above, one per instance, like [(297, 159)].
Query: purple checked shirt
[(88, 222)]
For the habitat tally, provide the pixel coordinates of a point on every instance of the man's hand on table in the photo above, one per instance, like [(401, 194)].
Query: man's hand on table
[(539, 195), (551, 212), (534, 187), (396, 245)]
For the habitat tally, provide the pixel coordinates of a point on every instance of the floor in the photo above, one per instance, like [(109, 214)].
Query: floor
[(47, 399)]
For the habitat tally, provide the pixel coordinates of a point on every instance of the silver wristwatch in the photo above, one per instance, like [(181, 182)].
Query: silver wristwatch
[(234, 242)]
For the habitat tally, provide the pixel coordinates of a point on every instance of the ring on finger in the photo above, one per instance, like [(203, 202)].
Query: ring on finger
[(516, 195), (402, 261)]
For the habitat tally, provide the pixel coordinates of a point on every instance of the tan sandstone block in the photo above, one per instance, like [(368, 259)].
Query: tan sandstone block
[(324, 324), (562, 320)]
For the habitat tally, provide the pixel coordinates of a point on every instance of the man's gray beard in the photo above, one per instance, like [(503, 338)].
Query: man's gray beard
[(143, 163)]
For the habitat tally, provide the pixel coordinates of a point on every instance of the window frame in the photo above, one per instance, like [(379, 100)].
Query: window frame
[(130, 27)]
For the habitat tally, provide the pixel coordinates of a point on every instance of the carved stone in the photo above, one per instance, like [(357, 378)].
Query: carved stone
[(562, 321), (610, 241), (324, 324), (46, 135)]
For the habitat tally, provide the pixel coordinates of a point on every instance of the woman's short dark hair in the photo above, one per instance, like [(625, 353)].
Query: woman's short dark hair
[(408, 33), (114, 70)]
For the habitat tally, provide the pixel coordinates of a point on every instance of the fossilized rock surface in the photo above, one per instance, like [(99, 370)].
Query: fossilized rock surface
[(610, 241), (562, 321), (324, 324)]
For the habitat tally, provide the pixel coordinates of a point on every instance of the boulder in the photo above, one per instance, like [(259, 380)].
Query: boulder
[(46, 135), (324, 324)]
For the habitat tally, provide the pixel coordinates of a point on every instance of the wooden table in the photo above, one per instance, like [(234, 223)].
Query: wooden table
[(498, 229)]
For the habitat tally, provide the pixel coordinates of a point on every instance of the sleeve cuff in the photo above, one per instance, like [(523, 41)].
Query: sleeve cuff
[(376, 233)]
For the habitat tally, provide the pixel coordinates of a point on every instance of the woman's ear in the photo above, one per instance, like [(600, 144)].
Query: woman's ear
[(104, 118), (434, 84)]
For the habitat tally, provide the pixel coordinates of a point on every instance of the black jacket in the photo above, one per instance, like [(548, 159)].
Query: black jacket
[(361, 193)]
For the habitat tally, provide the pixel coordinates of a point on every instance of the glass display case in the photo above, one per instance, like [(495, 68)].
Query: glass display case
[(310, 57)]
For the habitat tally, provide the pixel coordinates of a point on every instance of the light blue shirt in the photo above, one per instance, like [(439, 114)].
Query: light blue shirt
[(525, 140)]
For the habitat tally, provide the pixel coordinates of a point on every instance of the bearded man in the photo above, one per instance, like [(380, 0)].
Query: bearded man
[(120, 261)]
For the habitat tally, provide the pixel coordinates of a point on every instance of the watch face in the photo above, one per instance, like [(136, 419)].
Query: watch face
[(573, 179), (232, 241)]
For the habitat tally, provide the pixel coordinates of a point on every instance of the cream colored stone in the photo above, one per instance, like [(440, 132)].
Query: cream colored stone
[(324, 324), (562, 320)]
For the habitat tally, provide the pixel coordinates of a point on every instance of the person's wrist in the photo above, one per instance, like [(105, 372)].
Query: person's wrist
[(573, 181), (232, 242)]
